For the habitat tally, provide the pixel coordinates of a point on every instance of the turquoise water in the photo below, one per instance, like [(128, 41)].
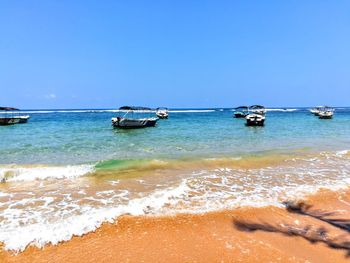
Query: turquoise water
[(67, 172), (80, 137)]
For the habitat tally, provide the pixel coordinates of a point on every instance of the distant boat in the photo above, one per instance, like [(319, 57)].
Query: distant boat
[(10, 116), (315, 111), (241, 112), (256, 116), (128, 121), (326, 112), (162, 113)]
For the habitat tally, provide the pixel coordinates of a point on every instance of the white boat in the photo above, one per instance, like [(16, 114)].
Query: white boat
[(10, 116), (315, 111), (162, 113), (326, 113), (128, 120), (241, 112), (256, 116)]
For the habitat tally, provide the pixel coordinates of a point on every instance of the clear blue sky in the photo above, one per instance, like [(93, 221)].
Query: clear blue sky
[(103, 54)]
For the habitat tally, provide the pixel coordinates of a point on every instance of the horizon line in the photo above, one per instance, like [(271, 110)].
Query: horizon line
[(182, 108)]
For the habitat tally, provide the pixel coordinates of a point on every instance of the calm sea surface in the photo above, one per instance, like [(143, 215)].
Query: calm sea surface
[(81, 137)]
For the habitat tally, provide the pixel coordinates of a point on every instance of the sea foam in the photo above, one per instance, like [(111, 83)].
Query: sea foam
[(17, 236), (15, 174), (49, 216)]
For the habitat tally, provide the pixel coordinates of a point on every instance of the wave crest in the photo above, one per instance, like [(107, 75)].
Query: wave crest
[(15, 174)]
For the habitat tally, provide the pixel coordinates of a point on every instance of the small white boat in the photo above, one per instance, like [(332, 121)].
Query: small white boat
[(10, 116), (256, 116), (241, 112), (126, 122), (162, 113), (315, 111), (326, 113)]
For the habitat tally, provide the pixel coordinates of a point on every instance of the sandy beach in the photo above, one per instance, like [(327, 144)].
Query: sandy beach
[(310, 230), (174, 131)]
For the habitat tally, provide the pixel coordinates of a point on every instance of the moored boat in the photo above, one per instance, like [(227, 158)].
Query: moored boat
[(162, 113), (316, 110), (10, 116), (241, 112), (129, 121), (256, 116), (326, 113)]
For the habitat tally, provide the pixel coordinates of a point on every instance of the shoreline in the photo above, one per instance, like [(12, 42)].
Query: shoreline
[(244, 234)]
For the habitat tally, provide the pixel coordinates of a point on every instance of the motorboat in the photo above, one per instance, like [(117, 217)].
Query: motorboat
[(10, 116), (315, 111), (326, 113), (162, 113), (241, 112), (130, 121), (256, 116)]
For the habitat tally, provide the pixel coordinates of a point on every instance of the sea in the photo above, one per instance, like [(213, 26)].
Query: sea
[(66, 172)]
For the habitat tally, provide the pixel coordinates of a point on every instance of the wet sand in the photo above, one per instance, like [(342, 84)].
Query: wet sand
[(308, 232)]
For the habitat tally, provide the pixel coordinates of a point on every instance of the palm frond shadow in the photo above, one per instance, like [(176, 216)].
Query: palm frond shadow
[(306, 210), (308, 232)]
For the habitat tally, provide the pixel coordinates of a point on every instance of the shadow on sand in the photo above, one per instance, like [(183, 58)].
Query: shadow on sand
[(309, 232)]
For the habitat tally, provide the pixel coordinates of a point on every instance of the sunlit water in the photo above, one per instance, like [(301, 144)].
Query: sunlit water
[(66, 172)]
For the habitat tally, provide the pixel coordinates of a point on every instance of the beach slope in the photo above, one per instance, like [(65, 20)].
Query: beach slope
[(314, 230)]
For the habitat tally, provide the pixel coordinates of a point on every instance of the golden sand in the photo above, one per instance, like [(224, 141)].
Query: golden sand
[(306, 233)]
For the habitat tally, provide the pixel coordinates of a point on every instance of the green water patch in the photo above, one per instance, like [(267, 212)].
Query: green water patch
[(126, 169), (119, 164), (136, 168), (243, 161), (133, 165)]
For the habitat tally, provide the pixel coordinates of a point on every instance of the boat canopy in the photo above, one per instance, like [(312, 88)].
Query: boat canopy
[(8, 109), (162, 108), (326, 108), (242, 107), (134, 108), (257, 107)]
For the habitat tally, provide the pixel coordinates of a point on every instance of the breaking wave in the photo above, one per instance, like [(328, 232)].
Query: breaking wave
[(16, 174), (48, 215)]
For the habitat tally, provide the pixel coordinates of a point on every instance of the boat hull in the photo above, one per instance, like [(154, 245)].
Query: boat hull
[(9, 121), (162, 116), (255, 120), (239, 115), (325, 116), (255, 123), (23, 119), (133, 123)]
